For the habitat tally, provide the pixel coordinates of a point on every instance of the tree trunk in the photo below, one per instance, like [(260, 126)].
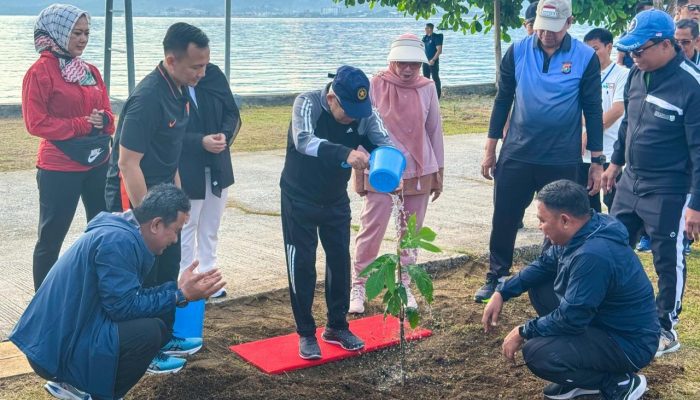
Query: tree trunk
[(497, 36)]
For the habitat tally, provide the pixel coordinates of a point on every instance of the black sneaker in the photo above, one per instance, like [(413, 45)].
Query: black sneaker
[(483, 295), (556, 391), (343, 338), (633, 389), (308, 348), (667, 343)]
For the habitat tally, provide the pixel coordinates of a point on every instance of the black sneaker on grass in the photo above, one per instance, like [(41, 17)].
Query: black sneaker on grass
[(308, 348), (343, 338), (556, 391), (632, 389), (483, 295)]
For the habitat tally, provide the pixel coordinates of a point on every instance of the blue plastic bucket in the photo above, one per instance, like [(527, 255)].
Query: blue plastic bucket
[(189, 320), (386, 165)]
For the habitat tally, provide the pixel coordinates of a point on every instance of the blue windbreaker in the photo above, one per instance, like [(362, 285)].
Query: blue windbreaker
[(599, 282), (70, 327)]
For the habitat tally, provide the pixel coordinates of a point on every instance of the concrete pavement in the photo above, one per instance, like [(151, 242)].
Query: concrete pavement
[(251, 252)]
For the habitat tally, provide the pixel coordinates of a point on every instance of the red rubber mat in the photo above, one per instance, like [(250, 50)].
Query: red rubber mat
[(281, 354)]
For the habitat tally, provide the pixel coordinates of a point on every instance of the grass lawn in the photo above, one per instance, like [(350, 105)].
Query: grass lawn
[(264, 128)]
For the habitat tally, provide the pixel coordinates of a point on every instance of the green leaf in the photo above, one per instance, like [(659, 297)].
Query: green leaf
[(393, 306), (423, 282), (429, 246), (402, 294), (426, 234), (390, 277), (377, 264), (374, 285), (413, 317)]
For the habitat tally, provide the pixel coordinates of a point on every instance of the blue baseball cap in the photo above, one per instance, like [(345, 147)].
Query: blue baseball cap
[(647, 25), (351, 86)]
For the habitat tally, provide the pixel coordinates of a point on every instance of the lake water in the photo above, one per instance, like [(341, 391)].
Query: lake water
[(269, 55)]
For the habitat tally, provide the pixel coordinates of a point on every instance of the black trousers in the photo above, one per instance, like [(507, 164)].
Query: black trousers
[(662, 216), (592, 360), (302, 225), (582, 178), (515, 184), (59, 193), (433, 71), (139, 341)]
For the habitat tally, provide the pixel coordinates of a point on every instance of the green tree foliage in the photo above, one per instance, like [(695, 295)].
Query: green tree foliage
[(612, 14)]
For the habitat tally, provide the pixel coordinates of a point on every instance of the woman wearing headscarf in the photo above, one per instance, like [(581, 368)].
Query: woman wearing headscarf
[(65, 103), (408, 104)]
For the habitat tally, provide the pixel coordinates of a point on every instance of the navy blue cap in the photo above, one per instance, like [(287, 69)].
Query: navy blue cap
[(647, 25), (531, 12), (351, 86)]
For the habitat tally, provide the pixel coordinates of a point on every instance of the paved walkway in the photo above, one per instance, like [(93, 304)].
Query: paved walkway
[(251, 252)]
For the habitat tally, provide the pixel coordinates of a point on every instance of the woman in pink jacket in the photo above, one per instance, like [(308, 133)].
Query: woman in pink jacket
[(408, 104)]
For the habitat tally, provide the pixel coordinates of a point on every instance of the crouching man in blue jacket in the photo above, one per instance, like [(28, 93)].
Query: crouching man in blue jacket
[(91, 327), (597, 323)]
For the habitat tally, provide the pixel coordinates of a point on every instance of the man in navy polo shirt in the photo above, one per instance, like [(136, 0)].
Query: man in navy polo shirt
[(552, 78), (659, 141), (148, 143), (433, 49), (327, 127)]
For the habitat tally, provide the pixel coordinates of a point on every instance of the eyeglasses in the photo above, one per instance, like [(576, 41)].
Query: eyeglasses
[(693, 7), (685, 42), (640, 51), (411, 65)]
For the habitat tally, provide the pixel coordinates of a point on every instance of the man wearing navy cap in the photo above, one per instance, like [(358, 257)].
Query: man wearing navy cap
[(659, 140), (327, 127)]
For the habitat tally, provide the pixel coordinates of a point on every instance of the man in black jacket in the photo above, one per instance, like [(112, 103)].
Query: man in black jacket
[(205, 166), (597, 322), (659, 140), (327, 127)]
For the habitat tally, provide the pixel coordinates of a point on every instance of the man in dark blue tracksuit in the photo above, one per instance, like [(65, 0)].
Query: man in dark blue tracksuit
[(597, 322), (327, 127), (659, 141)]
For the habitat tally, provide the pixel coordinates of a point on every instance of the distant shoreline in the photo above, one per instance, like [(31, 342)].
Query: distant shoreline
[(14, 110)]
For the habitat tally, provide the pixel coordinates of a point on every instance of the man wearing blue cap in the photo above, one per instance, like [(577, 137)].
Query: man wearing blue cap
[(327, 127), (659, 139)]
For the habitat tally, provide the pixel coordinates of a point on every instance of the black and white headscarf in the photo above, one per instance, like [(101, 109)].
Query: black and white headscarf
[(52, 32)]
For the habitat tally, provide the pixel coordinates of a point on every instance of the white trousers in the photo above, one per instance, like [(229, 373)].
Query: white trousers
[(200, 234)]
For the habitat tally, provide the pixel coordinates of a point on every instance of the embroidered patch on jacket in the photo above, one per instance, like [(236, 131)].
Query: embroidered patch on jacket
[(566, 67), (667, 117)]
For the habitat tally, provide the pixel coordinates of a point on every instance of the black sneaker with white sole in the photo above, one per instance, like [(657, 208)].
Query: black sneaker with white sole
[(556, 391), (308, 348), (343, 338), (632, 388)]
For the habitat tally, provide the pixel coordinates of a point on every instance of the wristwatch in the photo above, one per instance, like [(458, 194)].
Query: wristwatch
[(180, 299), (521, 331), (599, 160)]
